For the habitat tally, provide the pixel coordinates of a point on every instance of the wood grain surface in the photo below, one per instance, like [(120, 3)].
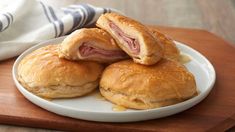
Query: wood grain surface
[(216, 112)]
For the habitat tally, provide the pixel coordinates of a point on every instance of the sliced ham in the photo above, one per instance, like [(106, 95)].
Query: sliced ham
[(133, 43), (86, 50)]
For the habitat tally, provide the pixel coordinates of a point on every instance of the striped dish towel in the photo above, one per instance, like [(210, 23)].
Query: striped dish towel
[(24, 23)]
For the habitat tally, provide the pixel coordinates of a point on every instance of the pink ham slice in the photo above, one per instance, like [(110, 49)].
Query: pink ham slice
[(133, 43), (86, 50)]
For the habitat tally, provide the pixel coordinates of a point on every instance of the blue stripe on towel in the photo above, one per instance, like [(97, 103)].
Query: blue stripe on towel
[(46, 13), (82, 14), (90, 13), (77, 17), (10, 16), (83, 9), (61, 25), (105, 10), (108, 10), (8, 21), (1, 26)]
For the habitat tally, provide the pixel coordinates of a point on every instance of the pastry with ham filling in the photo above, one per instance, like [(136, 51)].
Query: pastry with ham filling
[(133, 37), (136, 86), (44, 74), (91, 44)]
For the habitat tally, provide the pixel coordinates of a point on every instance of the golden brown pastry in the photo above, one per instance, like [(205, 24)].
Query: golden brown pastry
[(138, 86), (170, 49), (133, 37), (43, 73), (91, 44)]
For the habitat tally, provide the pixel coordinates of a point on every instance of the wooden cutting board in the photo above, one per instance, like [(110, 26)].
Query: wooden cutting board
[(216, 112)]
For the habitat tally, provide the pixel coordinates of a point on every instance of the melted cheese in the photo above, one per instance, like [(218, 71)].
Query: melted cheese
[(118, 108), (184, 59), (99, 96)]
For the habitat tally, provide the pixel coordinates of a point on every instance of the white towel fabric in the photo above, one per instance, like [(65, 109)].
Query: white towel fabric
[(24, 23)]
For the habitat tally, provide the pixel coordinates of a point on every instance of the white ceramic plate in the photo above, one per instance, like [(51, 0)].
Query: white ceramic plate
[(93, 109)]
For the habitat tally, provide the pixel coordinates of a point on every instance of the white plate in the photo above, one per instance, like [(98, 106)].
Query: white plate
[(93, 109)]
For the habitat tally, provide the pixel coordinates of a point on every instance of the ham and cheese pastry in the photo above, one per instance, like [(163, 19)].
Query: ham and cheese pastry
[(136, 86), (170, 49), (91, 44), (43, 73), (133, 37)]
